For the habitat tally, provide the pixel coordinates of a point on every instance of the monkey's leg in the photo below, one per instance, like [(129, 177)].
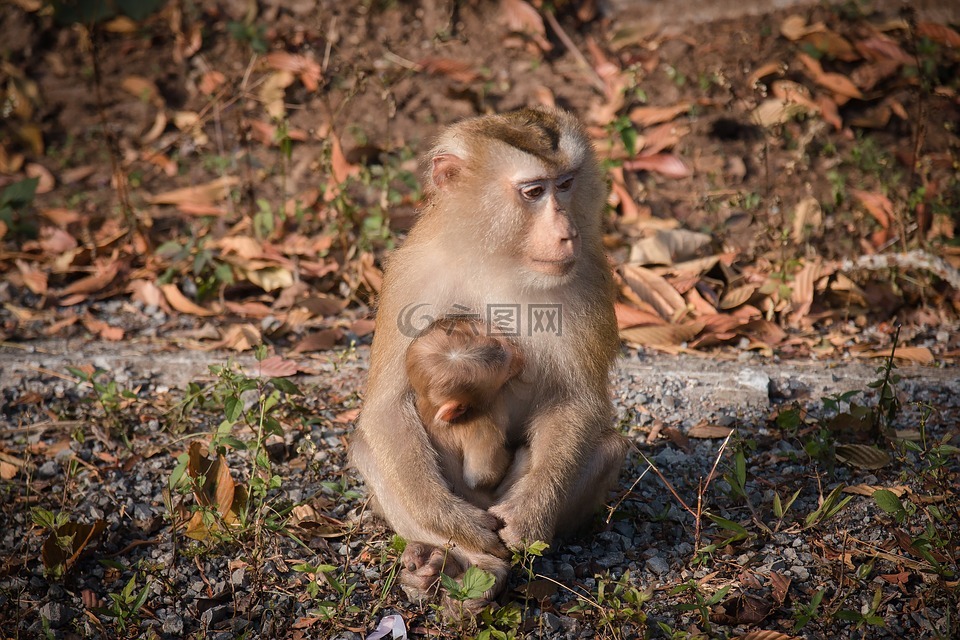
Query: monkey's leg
[(596, 478), (427, 554)]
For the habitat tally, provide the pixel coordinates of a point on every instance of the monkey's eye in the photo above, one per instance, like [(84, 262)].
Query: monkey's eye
[(564, 182), (531, 191)]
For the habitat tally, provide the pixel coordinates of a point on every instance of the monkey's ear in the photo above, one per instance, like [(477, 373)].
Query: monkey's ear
[(450, 411), (445, 167)]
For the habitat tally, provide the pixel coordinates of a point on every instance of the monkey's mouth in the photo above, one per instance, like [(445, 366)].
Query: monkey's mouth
[(553, 267)]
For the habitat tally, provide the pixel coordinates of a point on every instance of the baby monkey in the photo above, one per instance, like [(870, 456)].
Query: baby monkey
[(457, 372)]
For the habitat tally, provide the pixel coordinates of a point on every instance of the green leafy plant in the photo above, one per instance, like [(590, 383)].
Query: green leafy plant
[(109, 395), (870, 618), (701, 602), (14, 200), (804, 613), (125, 606), (328, 579)]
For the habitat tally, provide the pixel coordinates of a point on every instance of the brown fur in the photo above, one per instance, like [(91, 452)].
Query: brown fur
[(457, 372), (479, 242)]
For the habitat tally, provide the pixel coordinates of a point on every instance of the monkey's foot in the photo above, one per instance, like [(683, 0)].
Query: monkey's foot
[(422, 565)]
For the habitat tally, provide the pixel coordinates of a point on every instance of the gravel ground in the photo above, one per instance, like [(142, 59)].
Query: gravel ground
[(251, 584)]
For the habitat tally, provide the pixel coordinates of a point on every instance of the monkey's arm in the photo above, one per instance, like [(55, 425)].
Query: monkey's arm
[(574, 454), (393, 453)]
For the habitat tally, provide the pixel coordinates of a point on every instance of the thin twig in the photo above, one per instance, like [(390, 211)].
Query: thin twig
[(595, 78), (119, 177), (628, 492)]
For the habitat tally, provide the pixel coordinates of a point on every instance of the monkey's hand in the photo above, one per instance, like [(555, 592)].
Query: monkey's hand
[(522, 524), (474, 529)]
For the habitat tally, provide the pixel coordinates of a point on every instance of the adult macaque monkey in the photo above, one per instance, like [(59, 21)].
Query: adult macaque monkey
[(457, 372), (512, 219)]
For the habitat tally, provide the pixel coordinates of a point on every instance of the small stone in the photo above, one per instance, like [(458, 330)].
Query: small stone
[(173, 625), (800, 572), (142, 511), (239, 578), (213, 615), (754, 379), (552, 621), (48, 469), (657, 565), (57, 614)]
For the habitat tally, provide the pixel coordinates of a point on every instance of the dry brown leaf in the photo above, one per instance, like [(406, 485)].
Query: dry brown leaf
[(142, 88), (839, 84), (654, 290), (737, 296), (152, 134), (793, 92), (881, 47), (775, 111), (270, 278), (101, 328), (34, 278), (181, 303), (877, 204), (630, 212), (338, 162), (765, 70), (808, 215), (214, 488), (276, 367), (323, 340), (868, 76), (456, 70), (202, 194), (662, 137), (666, 164), (210, 82), (780, 586), (801, 296), (303, 65), (795, 27), (10, 465), (763, 331), (104, 273), (273, 92), (665, 335), (862, 456), (700, 305), (61, 218), (939, 33), (372, 275), (251, 309), (363, 327), (648, 116), (46, 181), (829, 111), (833, 44), (869, 489), (766, 635), (80, 535), (148, 293), (521, 17), (705, 430), (239, 337), (628, 316), (668, 246)]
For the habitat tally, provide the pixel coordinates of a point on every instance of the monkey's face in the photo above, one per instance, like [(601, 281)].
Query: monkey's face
[(522, 189), (552, 238)]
